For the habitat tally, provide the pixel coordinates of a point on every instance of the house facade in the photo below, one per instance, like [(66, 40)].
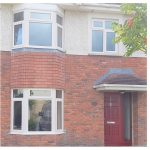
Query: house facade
[(64, 82)]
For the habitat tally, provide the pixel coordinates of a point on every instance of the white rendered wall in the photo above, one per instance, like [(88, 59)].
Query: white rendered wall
[(78, 32), (77, 29), (6, 29)]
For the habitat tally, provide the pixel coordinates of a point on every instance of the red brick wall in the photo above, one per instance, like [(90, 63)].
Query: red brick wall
[(83, 106), (37, 69), (5, 95), (140, 119)]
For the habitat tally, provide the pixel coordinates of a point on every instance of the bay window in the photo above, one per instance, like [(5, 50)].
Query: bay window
[(38, 29), (37, 111), (103, 36)]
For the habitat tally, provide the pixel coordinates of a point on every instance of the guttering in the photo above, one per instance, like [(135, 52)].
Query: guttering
[(120, 87)]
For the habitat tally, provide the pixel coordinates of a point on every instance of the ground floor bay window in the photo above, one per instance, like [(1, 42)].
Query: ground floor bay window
[(37, 111)]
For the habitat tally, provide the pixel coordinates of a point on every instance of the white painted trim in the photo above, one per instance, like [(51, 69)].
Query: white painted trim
[(25, 111), (119, 87), (37, 133)]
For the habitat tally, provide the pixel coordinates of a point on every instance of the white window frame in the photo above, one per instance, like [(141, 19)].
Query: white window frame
[(25, 28), (17, 23), (105, 51), (61, 26), (25, 111)]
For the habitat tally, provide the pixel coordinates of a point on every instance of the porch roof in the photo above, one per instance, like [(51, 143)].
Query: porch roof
[(120, 80)]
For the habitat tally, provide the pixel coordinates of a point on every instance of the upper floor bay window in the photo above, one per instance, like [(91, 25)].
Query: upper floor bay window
[(102, 36), (38, 29), (37, 111)]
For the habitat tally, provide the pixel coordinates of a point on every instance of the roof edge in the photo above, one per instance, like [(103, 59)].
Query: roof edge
[(120, 87)]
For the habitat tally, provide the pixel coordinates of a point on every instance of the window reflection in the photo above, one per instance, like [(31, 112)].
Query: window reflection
[(39, 115), (109, 41), (17, 115), (18, 34), (97, 41), (40, 34)]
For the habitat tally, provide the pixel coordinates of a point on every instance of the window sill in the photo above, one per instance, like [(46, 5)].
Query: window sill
[(37, 133), (37, 49), (113, 53)]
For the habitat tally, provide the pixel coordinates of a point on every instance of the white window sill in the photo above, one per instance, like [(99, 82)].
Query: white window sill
[(37, 133), (113, 53), (39, 48)]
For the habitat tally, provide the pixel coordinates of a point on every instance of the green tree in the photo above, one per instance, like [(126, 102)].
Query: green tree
[(133, 33)]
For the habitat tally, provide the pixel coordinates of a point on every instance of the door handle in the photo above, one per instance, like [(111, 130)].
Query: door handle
[(110, 122)]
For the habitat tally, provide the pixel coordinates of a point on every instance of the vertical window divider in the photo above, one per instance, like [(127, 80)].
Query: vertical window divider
[(25, 110), (54, 111)]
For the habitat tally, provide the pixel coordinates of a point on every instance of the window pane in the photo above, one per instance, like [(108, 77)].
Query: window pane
[(40, 93), (18, 16), (18, 34), (110, 46), (17, 115), (39, 115), (97, 41), (97, 24), (42, 16), (59, 20), (40, 34), (17, 93), (58, 93), (59, 37), (59, 115), (108, 24)]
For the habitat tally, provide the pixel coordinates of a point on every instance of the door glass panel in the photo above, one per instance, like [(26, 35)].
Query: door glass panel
[(39, 115), (127, 115)]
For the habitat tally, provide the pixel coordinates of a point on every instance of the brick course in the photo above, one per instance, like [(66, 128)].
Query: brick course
[(83, 106)]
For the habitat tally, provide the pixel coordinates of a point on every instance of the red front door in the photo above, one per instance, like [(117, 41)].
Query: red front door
[(115, 116)]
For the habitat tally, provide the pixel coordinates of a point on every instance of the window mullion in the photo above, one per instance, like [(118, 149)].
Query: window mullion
[(104, 41), (25, 110), (54, 30), (54, 111)]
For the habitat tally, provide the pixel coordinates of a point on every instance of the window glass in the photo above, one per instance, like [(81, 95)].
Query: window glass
[(59, 115), (17, 115), (59, 37), (18, 93), (41, 16), (18, 34), (98, 24), (18, 16), (110, 46), (97, 41), (108, 24), (40, 34), (40, 93), (58, 93), (59, 20), (39, 115)]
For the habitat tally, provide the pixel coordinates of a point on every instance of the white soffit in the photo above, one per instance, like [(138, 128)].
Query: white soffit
[(120, 87)]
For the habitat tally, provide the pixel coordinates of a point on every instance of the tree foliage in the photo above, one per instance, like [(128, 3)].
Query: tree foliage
[(133, 33)]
